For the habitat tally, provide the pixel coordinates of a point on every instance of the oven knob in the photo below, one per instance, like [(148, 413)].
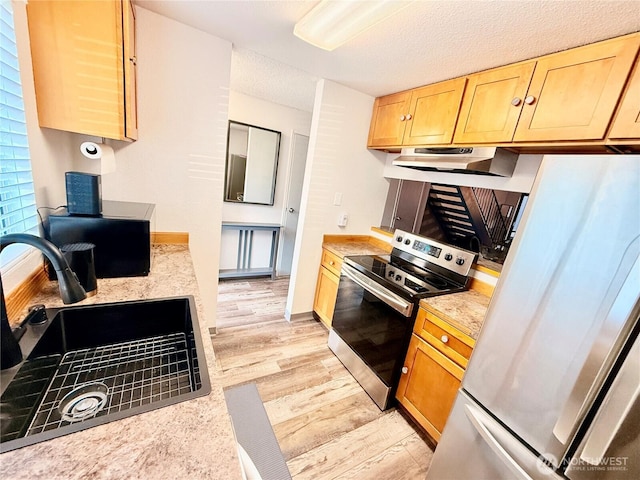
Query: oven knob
[(392, 273), (399, 239), (407, 241), (448, 257), (398, 278), (459, 261)]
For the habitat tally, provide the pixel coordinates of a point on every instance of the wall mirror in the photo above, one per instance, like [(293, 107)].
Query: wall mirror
[(252, 162)]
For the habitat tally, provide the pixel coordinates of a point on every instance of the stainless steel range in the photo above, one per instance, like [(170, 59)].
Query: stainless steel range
[(377, 303)]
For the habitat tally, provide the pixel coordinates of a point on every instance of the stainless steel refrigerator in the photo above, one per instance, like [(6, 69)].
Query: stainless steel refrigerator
[(552, 387)]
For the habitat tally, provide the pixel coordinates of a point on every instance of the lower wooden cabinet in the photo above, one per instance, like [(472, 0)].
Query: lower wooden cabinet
[(433, 369), (327, 287), (429, 387)]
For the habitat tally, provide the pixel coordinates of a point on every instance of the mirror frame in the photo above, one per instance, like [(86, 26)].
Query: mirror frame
[(275, 164)]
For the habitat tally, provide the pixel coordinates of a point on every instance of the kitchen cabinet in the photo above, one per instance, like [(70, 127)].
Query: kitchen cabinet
[(492, 104), (569, 96), (566, 96), (626, 124), (573, 94), (327, 286), (436, 358), (84, 68), (389, 119), (423, 116)]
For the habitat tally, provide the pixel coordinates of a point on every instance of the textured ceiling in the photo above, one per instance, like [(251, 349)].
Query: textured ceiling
[(427, 42)]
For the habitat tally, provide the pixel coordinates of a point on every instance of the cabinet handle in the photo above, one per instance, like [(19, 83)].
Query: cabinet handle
[(408, 116), (516, 101), (331, 262), (402, 117), (134, 60), (405, 370), (444, 339), (529, 100)]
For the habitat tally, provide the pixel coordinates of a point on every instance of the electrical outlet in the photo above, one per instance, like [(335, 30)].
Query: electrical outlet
[(343, 218)]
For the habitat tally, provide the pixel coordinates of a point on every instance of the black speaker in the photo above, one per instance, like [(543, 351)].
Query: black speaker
[(84, 193)]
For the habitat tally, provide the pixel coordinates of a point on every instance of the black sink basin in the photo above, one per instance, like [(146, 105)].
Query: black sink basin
[(90, 365)]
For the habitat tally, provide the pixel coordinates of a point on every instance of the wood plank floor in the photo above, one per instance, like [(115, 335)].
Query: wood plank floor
[(249, 301), (327, 426)]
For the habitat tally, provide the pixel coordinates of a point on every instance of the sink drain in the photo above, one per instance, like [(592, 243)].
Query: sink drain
[(83, 402)]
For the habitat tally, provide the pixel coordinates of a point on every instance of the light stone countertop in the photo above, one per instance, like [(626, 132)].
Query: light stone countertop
[(356, 247), (192, 439), (464, 310)]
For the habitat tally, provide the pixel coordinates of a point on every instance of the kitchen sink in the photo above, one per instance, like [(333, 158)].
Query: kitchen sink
[(89, 365)]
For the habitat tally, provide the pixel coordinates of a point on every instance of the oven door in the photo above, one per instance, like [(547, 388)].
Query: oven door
[(370, 331)]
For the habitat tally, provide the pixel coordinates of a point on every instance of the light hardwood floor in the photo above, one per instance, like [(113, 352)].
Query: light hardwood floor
[(327, 426), (249, 301)]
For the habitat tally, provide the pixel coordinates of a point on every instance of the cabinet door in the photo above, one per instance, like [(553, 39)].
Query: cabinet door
[(492, 104), (433, 113), (429, 386), (130, 84), (326, 292), (78, 66), (573, 94), (389, 120), (627, 120)]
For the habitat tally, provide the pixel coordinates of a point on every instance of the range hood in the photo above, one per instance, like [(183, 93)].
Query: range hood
[(476, 160)]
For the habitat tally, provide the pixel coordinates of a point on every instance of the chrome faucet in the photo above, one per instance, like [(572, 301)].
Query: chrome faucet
[(70, 291)]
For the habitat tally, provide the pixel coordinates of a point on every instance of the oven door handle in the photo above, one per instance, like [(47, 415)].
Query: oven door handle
[(394, 301)]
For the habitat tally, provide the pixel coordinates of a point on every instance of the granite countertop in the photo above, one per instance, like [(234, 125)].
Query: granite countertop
[(192, 439), (359, 246), (464, 310)]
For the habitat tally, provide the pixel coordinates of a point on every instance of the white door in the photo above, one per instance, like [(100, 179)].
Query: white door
[(299, 146)]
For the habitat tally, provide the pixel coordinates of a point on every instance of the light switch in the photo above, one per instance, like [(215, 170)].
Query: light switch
[(337, 198)]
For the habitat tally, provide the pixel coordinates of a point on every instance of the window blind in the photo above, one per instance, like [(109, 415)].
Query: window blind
[(17, 200)]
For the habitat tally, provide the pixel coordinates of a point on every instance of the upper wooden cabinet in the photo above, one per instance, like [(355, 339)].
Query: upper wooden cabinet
[(492, 104), (574, 94), (83, 57), (570, 96), (389, 119), (626, 124), (424, 116)]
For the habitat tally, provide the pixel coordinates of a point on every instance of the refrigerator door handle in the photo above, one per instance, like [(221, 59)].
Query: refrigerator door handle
[(623, 394), (602, 355), (474, 417)]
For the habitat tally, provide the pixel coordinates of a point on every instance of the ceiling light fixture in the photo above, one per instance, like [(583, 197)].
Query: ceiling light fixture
[(333, 22)]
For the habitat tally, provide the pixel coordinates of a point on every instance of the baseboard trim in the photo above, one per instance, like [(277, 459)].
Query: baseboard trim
[(20, 297), (171, 238)]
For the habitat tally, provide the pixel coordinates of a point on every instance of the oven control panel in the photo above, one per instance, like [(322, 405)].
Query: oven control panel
[(456, 259)]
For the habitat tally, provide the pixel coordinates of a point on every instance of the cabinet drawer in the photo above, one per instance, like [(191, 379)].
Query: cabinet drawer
[(443, 337), (331, 262)]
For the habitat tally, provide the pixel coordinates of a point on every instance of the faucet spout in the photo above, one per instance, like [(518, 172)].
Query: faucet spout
[(70, 290)]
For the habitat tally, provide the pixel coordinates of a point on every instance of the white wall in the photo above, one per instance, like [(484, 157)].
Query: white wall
[(177, 163), (337, 162), (50, 150)]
